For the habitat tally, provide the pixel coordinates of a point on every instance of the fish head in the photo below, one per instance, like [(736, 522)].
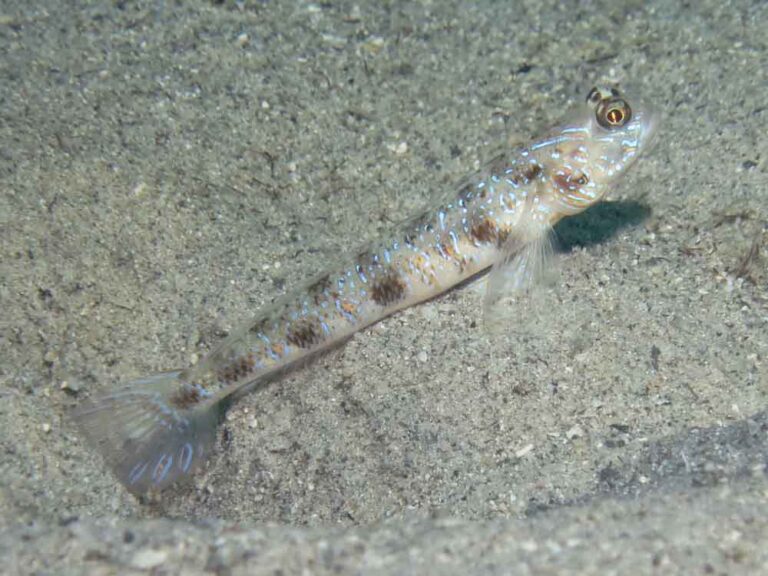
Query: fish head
[(585, 157)]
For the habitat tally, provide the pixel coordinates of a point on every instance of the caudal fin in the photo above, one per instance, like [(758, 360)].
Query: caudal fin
[(148, 440)]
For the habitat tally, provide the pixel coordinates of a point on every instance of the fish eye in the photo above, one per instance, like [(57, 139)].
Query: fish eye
[(613, 114)]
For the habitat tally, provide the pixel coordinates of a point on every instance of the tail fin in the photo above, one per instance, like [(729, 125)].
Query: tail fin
[(148, 441)]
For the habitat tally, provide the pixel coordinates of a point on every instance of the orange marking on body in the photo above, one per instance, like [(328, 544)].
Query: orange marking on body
[(420, 263), (278, 348), (570, 180), (348, 307)]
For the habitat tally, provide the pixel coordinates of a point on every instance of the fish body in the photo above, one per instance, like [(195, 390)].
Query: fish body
[(156, 430)]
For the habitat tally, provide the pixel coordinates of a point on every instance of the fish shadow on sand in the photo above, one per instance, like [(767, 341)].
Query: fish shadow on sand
[(599, 223)]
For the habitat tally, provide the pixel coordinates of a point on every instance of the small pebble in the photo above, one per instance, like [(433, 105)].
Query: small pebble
[(373, 45), (574, 432), (148, 559), (70, 387), (399, 149), (524, 450)]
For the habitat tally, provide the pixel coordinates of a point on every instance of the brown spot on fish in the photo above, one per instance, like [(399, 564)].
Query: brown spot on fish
[(388, 288), (572, 182), (486, 231), (503, 234), (572, 185), (305, 333), (532, 171), (238, 368), (227, 375), (523, 175), (186, 397)]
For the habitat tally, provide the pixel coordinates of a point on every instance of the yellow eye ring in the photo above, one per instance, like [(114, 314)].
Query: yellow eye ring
[(613, 114)]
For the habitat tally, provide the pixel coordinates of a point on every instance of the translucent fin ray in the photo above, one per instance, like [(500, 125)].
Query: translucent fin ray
[(147, 441), (527, 262)]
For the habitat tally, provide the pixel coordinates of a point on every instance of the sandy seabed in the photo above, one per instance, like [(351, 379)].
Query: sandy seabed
[(168, 168)]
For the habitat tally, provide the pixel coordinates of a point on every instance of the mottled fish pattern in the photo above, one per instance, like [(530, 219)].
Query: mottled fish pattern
[(158, 429)]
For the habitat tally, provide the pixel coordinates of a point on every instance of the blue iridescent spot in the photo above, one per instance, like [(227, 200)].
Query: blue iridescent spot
[(162, 467), (137, 472), (185, 457)]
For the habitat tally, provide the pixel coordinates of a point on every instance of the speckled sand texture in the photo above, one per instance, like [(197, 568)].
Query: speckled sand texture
[(166, 168)]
